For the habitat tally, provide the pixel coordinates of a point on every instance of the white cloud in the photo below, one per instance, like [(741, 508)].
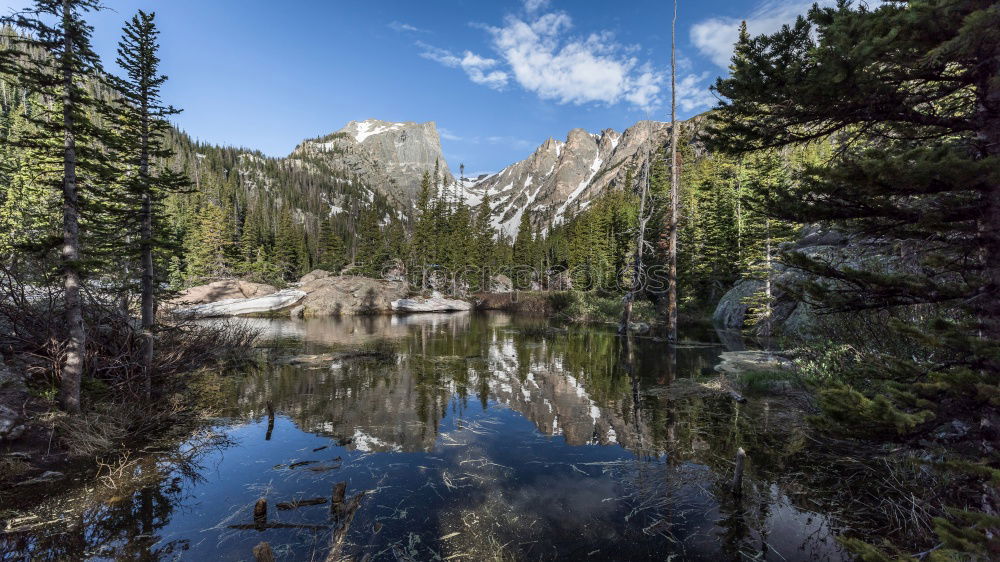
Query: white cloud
[(541, 54), (448, 135), (692, 94), (401, 26), (715, 37), (532, 6), (478, 68), (545, 60)]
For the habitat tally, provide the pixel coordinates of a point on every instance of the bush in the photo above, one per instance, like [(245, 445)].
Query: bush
[(563, 301), (762, 382)]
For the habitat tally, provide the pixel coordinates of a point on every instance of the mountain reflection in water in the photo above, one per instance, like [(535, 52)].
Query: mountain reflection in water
[(481, 437)]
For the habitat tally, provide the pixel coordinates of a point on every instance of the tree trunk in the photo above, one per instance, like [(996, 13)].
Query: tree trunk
[(767, 278), (989, 136), (639, 243), (672, 243), (148, 309), (72, 372)]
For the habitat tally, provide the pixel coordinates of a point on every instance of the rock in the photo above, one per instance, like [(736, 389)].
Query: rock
[(638, 327), (263, 305), (11, 380), (501, 284), (432, 304), (789, 316), (226, 289), (390, 156), (11, 427), (350, 295), (731, 310), (314, 275), (953, 430), (298, 311), (47, 476)]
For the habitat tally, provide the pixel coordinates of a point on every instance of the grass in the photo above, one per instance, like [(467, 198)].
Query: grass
[(12, 467), (764, 382), (576, 306)]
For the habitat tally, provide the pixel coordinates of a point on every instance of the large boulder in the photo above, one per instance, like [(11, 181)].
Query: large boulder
[(337, 295), (256, 306), (11, 423), (500, 283), (789, 316), (222, 290), (435, 303), (314, 275)]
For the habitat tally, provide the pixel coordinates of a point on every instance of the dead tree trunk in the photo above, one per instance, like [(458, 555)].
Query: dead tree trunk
[(639, 243), (672, 243), (72, 372)]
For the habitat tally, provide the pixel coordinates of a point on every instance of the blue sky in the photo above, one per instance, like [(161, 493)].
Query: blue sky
[(498, 78)]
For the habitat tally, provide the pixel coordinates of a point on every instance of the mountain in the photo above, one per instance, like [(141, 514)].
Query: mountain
[(557, 181), (561, 178), (390, 157)]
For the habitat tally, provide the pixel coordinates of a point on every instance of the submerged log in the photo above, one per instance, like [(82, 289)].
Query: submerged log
[(339, 492), (300, 503), (738, 472), (345, 516), (254, 526), (260, 513), (270, 420)]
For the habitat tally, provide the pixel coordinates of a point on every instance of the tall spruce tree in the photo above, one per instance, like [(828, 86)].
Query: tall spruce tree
[(66, 132), (483, 236), (141, 134), (524, 253), (910, 91), (331, 254)]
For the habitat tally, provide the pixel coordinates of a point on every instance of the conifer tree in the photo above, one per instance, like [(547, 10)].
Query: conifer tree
[(331, 254), (287, 254), (210, 245), (523, 253), (483, 237), (423, 230), (59, 30), (911, 93), (141, 121), (372, 254)]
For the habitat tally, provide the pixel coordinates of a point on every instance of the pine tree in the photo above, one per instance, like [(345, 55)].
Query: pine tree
[(372, 255), (210, 245), (286, 255), (423, 231), (141, 121), (29, 208), (331, 254), (483, 239), (524, 253), (911, 94), (68, 61)]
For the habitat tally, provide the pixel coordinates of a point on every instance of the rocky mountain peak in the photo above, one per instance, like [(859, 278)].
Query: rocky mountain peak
[(389, 156), (560, 179)]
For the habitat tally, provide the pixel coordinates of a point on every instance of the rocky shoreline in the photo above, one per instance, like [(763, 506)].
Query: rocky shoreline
[(317, 294)]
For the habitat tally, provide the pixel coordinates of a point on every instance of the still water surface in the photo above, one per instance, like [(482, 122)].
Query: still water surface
[(481, 437)]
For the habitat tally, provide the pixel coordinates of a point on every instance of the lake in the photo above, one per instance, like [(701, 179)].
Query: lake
[(454, 437)]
